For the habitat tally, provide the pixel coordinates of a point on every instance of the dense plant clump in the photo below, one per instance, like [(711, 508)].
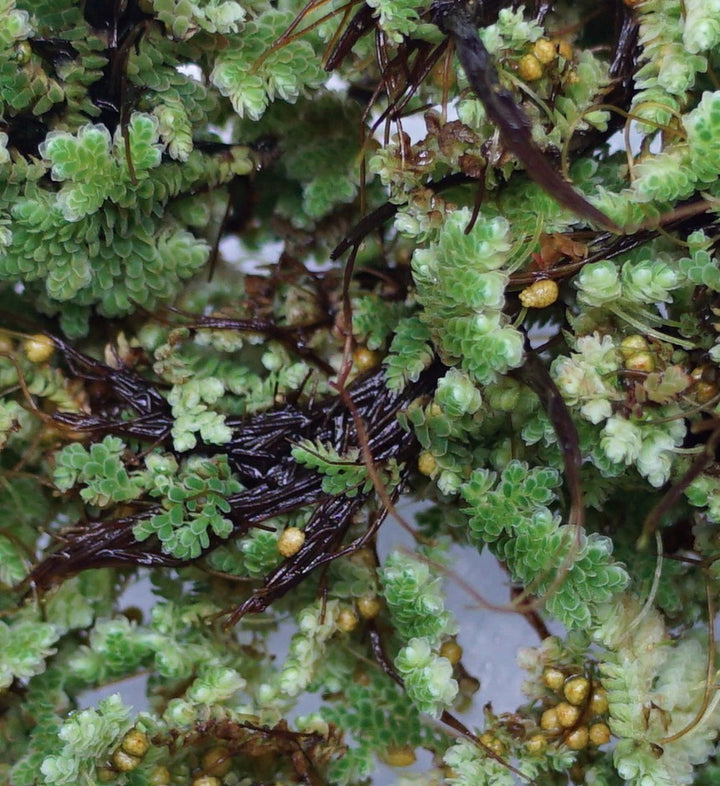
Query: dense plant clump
[(493, 286)]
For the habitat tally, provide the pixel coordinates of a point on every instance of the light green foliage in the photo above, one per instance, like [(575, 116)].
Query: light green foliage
[(116, 647), (117, 256), (519, 493), (209, 384), (13, 562), (702, 25), (170, 642), (511, 31), (82, 599), (172, 623), (192, 415), (178, 100), (185, 19), (444, 437), (254, 557), (175, 130), (22, 84), (214, 684), (316, 624), (353, 577), (621, 440), (456, 394), (410, 353), (590, 77), (705, 491), (664, 177), (587, 377), (16, 24), (677, 170), (702, 126), (345, 474), (86, 737), (461, 286), (375, 320), (599, 284), (471, 766), (669, 70), (194, 497), (94, 166), (24, 645), (251, 82), (427, 676), (700, 266), (397, 19), (649, 447), (642, 668), (121, 248), (194, 503), (100, 470), (624, 206), (10, 414), (633, 294), (415, 599), (649, 280), (41, 380)]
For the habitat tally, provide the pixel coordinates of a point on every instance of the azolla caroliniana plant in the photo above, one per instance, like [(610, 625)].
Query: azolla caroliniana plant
[(477, 268)]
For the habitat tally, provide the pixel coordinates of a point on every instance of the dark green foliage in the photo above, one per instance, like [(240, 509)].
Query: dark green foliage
[(379, 718), (194, 503), (511, 514)]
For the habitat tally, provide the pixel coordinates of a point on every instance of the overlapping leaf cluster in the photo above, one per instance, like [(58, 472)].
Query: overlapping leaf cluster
[(512, 515)]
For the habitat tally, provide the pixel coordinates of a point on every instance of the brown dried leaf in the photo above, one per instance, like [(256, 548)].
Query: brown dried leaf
[(665, 386)]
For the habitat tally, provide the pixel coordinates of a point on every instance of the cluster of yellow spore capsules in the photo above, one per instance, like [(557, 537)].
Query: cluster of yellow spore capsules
[(577, 719), (531, 66), (135, 744)]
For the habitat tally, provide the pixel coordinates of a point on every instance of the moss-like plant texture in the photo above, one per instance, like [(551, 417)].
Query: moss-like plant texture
[(270, 269)]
